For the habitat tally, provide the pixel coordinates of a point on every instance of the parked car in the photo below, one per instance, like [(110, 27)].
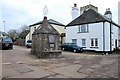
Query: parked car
[(71, 47), (6, 43), (29, 44)]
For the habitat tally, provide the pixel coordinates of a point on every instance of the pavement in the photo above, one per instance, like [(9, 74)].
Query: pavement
[(19, 63)]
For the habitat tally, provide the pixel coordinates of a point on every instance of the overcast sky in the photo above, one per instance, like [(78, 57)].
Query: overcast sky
[(25, 12)]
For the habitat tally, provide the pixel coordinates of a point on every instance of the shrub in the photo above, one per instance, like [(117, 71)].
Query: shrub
[(117, 50)]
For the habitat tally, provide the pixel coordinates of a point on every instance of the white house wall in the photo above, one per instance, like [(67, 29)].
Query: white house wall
[(71, 33), (95, 31), (107, 36), (60, 29), (115, 35), (29, 35), (27, 38)]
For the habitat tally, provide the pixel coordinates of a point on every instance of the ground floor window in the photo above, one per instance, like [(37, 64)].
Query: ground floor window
[(74, 41), (83, 42), (94, 42), (119, 43)]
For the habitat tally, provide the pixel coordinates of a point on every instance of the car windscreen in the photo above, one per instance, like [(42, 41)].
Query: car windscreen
[(29, 41), (6, 40)]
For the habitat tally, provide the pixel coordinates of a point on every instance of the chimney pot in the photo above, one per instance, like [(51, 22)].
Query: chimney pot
[(75, 5), (45, 17)]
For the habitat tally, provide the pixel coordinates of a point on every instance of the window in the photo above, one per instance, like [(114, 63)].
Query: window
[(83, 28), (74, 41), (94, 42), (83, 42)]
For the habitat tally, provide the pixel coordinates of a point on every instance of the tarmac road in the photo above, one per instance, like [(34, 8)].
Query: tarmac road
[(19, 63)]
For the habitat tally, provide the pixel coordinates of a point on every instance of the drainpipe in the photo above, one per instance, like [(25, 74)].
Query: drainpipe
[(103, 36), (110, 38)]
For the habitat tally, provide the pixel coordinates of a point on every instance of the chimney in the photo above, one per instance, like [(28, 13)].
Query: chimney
[(45, 17), (75, 5), (75, 11), (108, 14)]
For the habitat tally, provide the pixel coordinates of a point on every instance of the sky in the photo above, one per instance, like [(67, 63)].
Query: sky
[(17, 13)]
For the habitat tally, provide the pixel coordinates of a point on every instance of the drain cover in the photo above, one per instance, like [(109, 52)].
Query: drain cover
[(24, 70)]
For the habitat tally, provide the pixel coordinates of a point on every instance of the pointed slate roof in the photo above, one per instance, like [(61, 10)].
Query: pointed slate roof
[(51, 21), (45, 28), (90, 16)]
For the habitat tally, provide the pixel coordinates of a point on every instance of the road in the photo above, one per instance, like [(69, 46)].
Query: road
[(19, 63)]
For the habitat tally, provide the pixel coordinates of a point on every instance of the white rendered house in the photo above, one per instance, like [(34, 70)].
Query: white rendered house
[(58, 26), (94, 31)]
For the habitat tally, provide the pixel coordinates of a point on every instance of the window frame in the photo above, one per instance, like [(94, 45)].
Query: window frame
[(83, 28), (94, 43), (83, 42), (74, 41)]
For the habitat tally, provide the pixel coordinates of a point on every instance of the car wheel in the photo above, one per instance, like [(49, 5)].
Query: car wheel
[(63, 49), (81, 50), (11, 47), (74, 51)]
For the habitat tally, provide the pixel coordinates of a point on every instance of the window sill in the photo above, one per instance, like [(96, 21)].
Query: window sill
[(93, 47), (82, 32)]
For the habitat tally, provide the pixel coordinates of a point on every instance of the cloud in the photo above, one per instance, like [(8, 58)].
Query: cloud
[(19, 12)]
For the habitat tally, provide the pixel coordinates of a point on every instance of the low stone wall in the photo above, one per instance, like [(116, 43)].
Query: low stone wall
[(51, 54)]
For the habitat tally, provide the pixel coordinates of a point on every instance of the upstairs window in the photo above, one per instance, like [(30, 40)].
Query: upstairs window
[(83, 28)]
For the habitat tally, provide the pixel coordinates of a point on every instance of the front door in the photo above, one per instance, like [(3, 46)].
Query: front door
[(115, 43)]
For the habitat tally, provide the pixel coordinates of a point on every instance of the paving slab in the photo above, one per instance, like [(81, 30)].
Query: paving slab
[(57, 76), (70, 71), (7, 72), (37, 73), (87, 70), (24, 69), (98, 75), (111, 70)]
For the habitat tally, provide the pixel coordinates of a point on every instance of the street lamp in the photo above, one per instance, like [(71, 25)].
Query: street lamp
[(4, 25)]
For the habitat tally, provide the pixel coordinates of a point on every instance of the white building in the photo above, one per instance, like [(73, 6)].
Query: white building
[(93, 31), (58, 26), (75, 11)]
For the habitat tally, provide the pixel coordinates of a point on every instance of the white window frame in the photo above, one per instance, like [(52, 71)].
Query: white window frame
[(94, 42), (83, 28), (84, 42), (74, 41)]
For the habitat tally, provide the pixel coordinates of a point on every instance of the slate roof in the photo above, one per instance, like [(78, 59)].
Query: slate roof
[(90, 16), (51, 21), (45, 28)]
